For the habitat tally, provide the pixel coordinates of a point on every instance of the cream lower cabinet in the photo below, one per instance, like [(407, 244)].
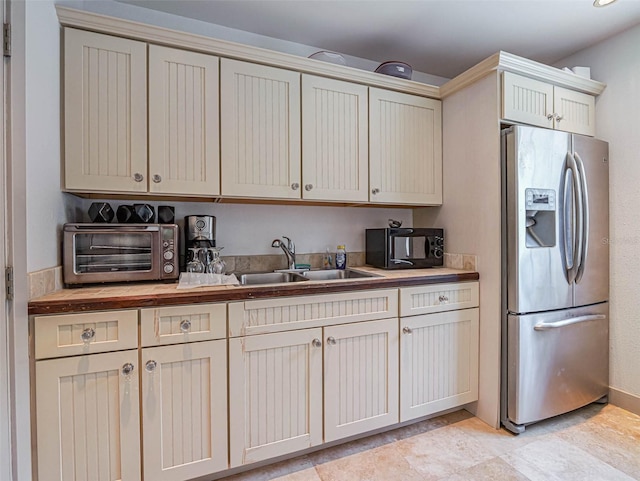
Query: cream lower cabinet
[(88, 422)]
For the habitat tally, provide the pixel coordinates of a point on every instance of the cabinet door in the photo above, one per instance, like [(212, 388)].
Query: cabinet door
[(184, 410), (438, 362), (335, 130), (360, 377), (526, 100), (260, 130), (88, 420), (575, 111), (405, 145), (184, 142), (105, 108), (275, 388)]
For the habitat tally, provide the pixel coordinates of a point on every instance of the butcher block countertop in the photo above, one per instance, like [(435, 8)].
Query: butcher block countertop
[(137, 294)]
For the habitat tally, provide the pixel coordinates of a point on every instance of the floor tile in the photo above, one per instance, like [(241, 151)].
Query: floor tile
[(494, 469), (297, 469)]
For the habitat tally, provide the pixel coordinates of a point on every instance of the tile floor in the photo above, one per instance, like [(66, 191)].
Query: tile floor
[(599, 443)]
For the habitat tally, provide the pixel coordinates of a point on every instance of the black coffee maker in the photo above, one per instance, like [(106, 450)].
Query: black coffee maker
[(199, 231)]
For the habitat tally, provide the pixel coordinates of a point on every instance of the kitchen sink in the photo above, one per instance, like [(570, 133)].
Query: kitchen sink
[(331, 274), (269, 278)]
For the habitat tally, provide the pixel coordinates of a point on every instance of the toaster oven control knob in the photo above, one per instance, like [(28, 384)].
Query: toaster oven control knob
[(168, 255), (439, 241), (437, 253), (168, 268)]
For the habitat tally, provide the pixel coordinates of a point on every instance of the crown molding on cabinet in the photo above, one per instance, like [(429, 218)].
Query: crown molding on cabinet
[(71, 17), (503, 61)]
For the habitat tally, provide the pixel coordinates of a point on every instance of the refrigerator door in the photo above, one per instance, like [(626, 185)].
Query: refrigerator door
[(558, 361), (592, 277), (537, 182)]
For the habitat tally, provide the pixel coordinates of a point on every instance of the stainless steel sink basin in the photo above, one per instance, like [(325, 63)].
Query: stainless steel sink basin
[(331, 274), (269, 278)]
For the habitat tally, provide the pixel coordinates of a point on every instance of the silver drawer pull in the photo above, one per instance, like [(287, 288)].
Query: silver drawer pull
[(138, 177), (185, 325), (316, 343), (150, 366), (127, 369), (407, 330), (443, 299), (88, 334), (331, 341), (295, 186)]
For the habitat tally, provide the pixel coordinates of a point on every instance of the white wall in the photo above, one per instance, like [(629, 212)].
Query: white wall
[(616, 62)]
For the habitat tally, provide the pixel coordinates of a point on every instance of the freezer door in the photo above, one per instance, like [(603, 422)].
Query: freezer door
[(536, 184), (592, 280), (557, 362)]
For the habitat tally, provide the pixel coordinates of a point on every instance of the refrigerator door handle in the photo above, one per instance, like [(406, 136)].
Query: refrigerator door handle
[(568, 227), (584, 235), (578, 230), (545, 326)]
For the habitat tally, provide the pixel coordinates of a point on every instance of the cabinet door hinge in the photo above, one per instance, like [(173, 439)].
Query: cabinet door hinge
[(8, 277), (6, 39)]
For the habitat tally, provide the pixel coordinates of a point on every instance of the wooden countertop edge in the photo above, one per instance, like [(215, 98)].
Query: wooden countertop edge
[(242, 293)]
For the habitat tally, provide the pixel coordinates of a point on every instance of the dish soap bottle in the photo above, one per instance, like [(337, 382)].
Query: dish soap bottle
[(341, 257), (327, 260)]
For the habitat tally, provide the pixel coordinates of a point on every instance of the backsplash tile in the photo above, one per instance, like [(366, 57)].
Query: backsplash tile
[(45, 281), (467, 262)]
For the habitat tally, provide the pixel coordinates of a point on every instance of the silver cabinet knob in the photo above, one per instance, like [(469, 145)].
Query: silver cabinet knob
[(150, 366), (316, 342), (443, 299), (156, 178), (407, 330), (331, 341), (375, 191), (127, 369), (295, 186), (550, 116), (559, 118), (185, 325), (138, 177), (308, 187), (88, 334)]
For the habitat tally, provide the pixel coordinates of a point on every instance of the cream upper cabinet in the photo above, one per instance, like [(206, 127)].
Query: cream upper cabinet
[(88, 418), (405, 149), (538, 103), (260, 131), (184, 142), (184, 410), (105, 113), (335, 131)]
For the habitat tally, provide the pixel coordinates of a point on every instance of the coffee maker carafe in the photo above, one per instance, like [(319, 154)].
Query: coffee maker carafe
[(199, 231)]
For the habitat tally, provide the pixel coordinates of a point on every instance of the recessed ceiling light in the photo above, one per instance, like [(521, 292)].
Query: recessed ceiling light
[(602, 3)]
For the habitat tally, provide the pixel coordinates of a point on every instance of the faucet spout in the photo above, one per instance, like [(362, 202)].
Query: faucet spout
[(289, 250)]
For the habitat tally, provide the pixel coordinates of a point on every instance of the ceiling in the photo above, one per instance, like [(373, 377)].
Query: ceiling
[(438, 37)]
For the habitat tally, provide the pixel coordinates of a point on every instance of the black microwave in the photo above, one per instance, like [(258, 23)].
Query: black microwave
[(404, 248)]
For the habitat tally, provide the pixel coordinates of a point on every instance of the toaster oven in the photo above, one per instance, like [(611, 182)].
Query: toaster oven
[(404, 248), (94, 253)]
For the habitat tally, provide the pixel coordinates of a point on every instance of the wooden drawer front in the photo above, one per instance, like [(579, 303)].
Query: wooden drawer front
[(58, 336), (173, 325), (438, 298), (273, 315)]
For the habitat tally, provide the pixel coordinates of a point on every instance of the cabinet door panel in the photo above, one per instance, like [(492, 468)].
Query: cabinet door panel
[(335, 129), (260, 130), (276, 395), (438, 362), (526, 100), (360, 377), (183, 122), (184, 410), (88, 418), (105, 106), (405, 145), (576, 111)]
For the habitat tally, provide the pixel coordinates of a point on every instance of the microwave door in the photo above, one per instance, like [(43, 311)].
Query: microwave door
[(408, 248)]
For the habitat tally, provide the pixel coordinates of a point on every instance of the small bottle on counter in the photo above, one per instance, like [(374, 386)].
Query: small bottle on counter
[(327, 260), (341, 257)]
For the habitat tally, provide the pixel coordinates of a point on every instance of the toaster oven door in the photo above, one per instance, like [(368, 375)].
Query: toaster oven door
[(409, 247)]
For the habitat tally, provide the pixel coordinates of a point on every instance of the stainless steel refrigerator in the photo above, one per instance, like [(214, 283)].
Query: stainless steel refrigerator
[(555, 326)]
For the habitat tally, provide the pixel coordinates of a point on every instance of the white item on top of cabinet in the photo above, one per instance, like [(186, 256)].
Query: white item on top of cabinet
[(405, 149), (184, 410), (85, 333), (438, 298), (180, 324), (184, 130), (260, 130), (105, 113), (538, 103)]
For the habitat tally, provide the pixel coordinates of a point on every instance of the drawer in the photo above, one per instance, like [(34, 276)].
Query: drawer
[(178, 324), (284, 314), (85, 333), (438, 298)]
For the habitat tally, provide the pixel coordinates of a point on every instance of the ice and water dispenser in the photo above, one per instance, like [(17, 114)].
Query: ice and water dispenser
[(541, 217)]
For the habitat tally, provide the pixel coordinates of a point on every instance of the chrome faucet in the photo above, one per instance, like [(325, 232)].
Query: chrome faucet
[(289, 250)]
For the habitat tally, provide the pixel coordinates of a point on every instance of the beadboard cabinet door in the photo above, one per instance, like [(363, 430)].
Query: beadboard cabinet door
[(88, 420), (184, 130), (438, 362), (275, 392), (184, 410), (360, 377), (335, 132), (260, 130), (105, 113), (405, 149), (576, 111)]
